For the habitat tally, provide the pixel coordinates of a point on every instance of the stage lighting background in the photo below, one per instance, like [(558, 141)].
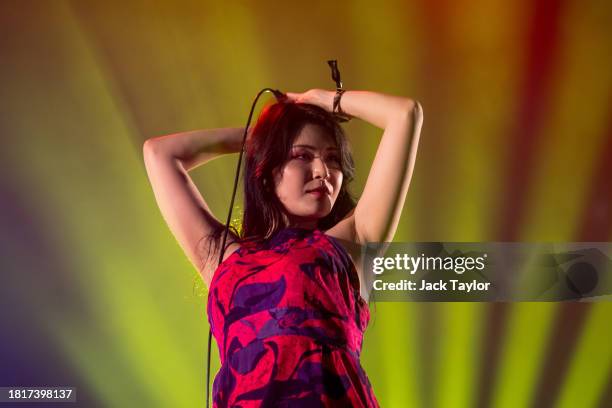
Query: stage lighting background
[(516, 146)]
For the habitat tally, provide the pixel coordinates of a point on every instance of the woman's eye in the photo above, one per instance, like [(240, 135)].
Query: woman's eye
[(308, 156), (301, 156)]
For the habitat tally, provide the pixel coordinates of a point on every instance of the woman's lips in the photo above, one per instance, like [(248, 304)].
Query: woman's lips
[(318, 193)]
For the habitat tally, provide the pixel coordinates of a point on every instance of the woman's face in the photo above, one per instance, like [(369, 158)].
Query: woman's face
[(313, 163)]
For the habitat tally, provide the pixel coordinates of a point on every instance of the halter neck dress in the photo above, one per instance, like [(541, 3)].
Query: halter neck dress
[(289, 321)]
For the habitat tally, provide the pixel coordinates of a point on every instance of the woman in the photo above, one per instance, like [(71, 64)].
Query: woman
[(287, 305)]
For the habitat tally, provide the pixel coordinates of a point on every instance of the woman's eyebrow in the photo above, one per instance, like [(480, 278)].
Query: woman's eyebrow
[(313, 148)]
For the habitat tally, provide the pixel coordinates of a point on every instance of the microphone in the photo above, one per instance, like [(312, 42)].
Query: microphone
[(280, 97)]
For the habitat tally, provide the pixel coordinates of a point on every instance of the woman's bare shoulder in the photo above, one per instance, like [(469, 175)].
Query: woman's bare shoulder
[(230, 249), (212, 261), (344, 230)]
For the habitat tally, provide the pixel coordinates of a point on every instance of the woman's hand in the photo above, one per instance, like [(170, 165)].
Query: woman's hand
[(319, 97)]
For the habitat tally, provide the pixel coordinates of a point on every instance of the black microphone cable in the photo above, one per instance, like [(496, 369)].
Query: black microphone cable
[(280, 97)]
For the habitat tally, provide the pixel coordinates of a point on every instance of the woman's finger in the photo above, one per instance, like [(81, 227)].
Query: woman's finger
[(292, 96)]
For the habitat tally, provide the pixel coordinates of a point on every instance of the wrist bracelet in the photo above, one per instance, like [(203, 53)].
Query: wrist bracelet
[(337, 109)]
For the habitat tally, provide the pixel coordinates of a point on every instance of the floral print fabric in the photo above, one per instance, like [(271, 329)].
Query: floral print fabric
[(289, 324)]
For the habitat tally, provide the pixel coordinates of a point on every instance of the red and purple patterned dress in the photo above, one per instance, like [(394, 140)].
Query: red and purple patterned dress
[(289, 324)]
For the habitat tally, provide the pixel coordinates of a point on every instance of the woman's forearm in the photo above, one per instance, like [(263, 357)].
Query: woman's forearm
[(373, 107), (196, 147)]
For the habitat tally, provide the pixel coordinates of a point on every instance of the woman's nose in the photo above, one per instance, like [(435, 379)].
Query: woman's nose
[(320, 168)]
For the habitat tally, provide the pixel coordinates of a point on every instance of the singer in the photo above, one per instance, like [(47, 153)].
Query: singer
[(288, 304)]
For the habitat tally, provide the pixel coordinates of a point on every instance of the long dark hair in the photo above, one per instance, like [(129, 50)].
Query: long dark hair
[(268, 147)]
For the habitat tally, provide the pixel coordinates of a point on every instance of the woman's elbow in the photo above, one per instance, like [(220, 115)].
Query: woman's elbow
[(150, 147)]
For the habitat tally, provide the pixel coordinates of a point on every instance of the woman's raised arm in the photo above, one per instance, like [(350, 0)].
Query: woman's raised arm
[(168, 160), (378, 210)]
